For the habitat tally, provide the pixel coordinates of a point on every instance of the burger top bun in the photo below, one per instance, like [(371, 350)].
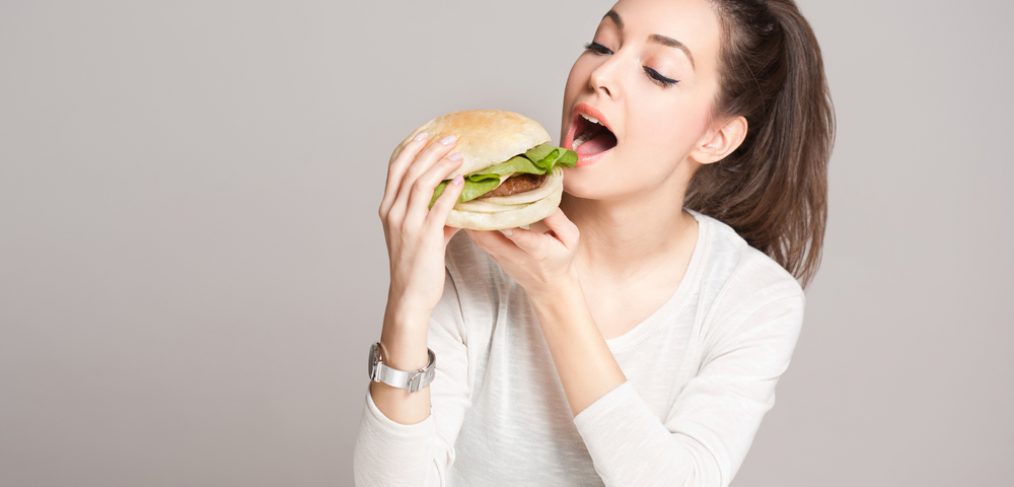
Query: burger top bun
[(485, 136)]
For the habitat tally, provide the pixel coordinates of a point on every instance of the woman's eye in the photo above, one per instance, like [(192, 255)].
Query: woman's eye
[(596, 47), (654, 75), (658, 78)]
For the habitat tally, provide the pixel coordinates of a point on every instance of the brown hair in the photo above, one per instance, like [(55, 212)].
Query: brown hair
[(773, 188)]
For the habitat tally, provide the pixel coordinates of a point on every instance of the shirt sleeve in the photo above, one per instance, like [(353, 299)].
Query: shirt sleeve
[(709, 429), (388, 453)]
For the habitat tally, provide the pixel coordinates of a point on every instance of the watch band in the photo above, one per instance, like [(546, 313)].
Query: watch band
[(413, 380)]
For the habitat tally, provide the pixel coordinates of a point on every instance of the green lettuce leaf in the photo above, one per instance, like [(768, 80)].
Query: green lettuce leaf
[(538, 160)]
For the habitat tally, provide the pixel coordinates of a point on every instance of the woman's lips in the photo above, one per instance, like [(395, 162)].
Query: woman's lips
[(591, 111), (586, 159)]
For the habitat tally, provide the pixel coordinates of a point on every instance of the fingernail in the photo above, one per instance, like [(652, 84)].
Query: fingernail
[(458, 180), (507, 232), (447, 140), (456, 156), (421, 136)]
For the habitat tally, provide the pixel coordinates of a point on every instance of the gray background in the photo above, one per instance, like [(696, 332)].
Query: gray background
[(192, 266)]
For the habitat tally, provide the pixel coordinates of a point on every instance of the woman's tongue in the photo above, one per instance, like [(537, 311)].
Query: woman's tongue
[(602, 141)]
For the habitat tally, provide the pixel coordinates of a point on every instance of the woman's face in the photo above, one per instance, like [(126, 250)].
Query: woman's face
[(656, 125)]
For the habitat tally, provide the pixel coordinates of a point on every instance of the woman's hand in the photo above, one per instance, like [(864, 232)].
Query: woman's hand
[(417, 235), (537, 261)]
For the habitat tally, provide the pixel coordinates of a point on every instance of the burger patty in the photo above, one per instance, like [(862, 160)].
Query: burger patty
[(518, 183)]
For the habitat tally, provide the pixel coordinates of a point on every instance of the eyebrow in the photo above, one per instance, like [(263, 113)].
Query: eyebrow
[(656, 38)]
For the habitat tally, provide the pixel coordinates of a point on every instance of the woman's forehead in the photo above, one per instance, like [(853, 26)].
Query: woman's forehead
[(693, 23)]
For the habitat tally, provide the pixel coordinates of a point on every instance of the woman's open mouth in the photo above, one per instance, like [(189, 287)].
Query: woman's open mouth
[(591, 137)]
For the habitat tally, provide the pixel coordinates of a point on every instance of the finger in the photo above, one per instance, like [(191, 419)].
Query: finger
[(424, 187), (419, 135), (532, 242), (437, 215), (430, 155), (495, 243), (400, 159), (538, 226), (561, 227)]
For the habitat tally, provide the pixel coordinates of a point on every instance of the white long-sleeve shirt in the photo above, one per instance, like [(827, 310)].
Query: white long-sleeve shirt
[(701, 374)]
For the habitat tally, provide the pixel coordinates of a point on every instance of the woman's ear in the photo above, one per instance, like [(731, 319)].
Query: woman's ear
[(720, 141)]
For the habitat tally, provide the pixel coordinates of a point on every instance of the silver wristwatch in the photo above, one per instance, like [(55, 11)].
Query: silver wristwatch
[(413, 380)]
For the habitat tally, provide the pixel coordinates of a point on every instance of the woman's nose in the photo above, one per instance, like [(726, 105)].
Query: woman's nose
[(603, 77)]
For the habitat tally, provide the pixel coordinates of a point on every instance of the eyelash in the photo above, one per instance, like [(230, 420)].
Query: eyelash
[(654, 75)]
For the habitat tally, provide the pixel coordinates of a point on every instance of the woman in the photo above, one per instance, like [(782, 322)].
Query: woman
[(638, 341)]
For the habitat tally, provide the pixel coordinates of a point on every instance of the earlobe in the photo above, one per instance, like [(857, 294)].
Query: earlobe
[(720, 142)]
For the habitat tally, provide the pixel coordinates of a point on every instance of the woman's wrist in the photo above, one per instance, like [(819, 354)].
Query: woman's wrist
[(404, 337), (405, 310), (403, 350), (567, 285)]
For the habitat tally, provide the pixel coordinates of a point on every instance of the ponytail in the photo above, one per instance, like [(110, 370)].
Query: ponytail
[(773, 188)]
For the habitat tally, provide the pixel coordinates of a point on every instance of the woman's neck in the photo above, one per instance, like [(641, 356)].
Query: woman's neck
[(625, 238)]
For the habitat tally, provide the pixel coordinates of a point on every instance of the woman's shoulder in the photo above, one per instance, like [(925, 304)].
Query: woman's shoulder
[(737, 273)]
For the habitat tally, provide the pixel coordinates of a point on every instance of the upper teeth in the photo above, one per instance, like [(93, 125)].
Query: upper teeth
[(591, 118), (581, 138)]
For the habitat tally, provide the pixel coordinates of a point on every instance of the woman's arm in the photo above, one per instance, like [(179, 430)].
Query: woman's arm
[(408, 438), (710, 427), (586, 366), (404, 339), (541, 264)]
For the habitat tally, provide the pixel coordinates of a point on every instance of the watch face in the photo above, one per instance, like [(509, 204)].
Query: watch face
[(374, 358)]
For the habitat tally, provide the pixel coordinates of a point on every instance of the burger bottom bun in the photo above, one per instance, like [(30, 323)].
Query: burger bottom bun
[(524, 215)]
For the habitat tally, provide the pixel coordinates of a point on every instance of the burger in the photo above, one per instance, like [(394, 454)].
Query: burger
[(513, 175)]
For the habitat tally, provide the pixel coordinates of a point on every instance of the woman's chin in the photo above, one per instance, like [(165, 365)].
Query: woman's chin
[(577, 182)]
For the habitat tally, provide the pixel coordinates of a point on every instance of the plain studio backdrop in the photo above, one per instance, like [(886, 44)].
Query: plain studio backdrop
[(192, 268)]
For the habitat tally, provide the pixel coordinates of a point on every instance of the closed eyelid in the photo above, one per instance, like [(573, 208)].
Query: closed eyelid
[(659, 76), (598, 45), (655, 75)]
